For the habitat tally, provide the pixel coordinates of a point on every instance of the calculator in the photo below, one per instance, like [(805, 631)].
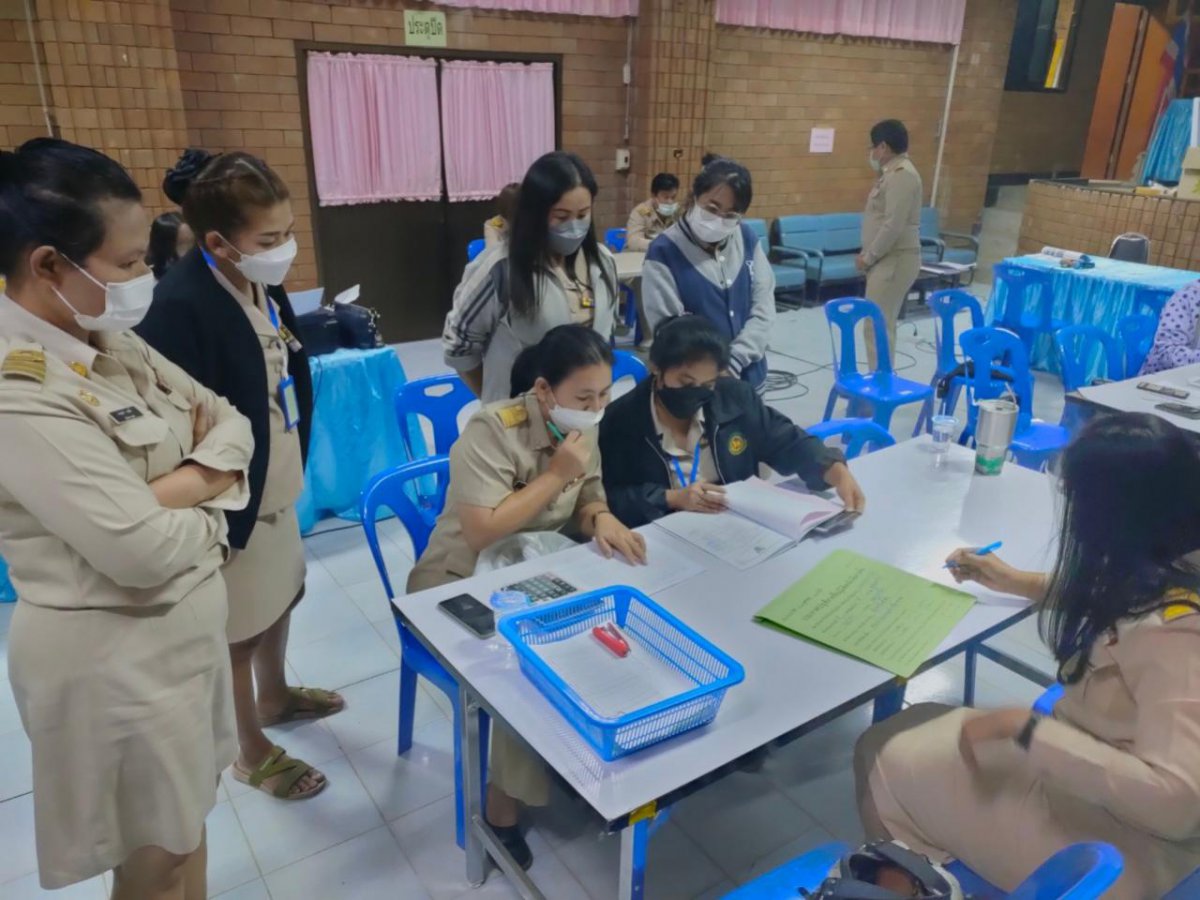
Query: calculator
[(541, 588)]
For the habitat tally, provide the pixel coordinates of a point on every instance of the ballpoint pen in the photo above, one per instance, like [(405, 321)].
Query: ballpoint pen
[(982, 551)]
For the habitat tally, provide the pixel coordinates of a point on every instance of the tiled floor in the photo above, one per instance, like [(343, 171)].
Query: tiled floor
[(384, 827)]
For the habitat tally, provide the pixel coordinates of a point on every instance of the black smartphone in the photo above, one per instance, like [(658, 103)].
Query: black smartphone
[(1179, 409), (471, 614), (837, 523)]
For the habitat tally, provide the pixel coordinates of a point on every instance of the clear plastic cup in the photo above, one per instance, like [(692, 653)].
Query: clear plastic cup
[(506, 601), (943, 432)]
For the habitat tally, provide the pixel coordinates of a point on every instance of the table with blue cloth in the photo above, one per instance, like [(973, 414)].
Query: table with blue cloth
[(1101, 296), (354, 435), (354, 432)]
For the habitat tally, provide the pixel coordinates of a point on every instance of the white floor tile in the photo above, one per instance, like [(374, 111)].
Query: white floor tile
[(344, 658), (402, 784), (789, 851), (18, 854), (6, 614), (254, 890), (676, 867), (10, 719), (739, 819), (16, 774), (326, 610), (371, 600), (282, 832), (372, 711), (387, 632), (368, 867), (27, 888), (230, 862), (829, 800), (942, 684)]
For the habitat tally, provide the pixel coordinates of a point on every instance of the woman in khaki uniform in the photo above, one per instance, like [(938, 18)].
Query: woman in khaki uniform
[(1119, 760), (528, 464), (114, 469), (222, 315), (891, 229)]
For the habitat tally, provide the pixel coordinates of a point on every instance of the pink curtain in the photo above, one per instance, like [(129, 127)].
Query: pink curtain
[(608, 8), (374, 122), (929, 21), (497, 118)]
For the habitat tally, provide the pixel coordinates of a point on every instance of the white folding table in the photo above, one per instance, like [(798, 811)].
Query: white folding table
[(917, 512), (1125, 396)]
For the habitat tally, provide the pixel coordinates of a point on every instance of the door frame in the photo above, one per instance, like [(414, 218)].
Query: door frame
[(303, 48)]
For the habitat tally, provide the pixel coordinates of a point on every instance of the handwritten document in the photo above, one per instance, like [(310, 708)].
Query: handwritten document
[(612, 685), (868, 609), (727, 536)]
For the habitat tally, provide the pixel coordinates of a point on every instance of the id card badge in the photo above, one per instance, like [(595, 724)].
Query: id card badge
[(288, 403)]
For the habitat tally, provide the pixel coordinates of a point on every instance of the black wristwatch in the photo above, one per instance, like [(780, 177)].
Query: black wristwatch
[(1025, 737)]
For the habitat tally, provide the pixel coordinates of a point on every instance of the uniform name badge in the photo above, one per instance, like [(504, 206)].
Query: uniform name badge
[(288, 403)]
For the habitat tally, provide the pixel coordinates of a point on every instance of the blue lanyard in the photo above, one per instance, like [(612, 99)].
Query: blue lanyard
[(684, 482), (271, 311)]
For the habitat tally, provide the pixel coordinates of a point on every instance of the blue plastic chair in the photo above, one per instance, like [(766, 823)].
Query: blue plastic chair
[(1044, 705), (1034, 444), (475, 247), (1137, 337), (1022, 314), (614, 238), (389, 490), (1151, 299), (946, 306), (439, 399), (857, 435), (625, 363), (785, 882), (1075, 346), (1079, 872), (1188, 889), (878, 392)]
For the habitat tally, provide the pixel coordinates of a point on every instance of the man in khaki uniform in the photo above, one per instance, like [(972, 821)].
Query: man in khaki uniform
[(650, 219), (891, 241)]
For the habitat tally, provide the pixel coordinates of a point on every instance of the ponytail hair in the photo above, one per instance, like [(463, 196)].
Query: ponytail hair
[(560, 352)]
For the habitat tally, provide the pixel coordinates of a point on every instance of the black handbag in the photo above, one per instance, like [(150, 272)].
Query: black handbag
[(357, 326), (318, 331)]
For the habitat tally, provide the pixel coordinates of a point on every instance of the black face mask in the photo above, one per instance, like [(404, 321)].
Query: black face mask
[(684, 402)]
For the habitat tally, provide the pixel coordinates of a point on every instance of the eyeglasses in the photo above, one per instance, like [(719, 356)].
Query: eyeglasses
[(728, 217)]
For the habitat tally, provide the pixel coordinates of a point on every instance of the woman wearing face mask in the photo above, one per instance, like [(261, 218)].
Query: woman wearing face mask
[(115, 468), (671, 442), (529, 464), (551, 272), (221, 314), (711, 264)]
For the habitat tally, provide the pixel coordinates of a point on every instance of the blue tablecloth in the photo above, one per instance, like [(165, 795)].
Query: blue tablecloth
[(1172, 134), (1101, 296), (355, 434)]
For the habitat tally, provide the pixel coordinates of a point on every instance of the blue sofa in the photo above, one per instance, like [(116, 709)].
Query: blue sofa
[(788, 277), (934, 245), (822, 246)]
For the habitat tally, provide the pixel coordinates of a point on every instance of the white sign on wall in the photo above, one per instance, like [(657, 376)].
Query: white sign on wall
[(821, 140)]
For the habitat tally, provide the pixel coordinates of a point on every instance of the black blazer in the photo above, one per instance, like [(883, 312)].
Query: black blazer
[(200, 327), (742, 430)]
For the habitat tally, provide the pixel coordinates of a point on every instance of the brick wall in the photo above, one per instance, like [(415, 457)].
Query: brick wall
[(1042, 132), (1087, 220), (769, 89), (21, 116)]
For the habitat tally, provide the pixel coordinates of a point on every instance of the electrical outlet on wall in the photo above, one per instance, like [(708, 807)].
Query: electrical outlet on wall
[(622, 160)]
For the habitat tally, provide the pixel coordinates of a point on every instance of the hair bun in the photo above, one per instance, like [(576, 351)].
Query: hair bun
[(9, 167), (184, 172)]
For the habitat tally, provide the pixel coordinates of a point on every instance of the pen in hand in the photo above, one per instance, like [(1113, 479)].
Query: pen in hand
[(982, 551)]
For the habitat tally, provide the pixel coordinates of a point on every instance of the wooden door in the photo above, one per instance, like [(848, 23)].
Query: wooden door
[(1143, 103), (1107, 111)]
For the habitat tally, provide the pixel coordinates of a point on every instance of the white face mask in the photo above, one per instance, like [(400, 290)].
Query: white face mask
[(125, 302), (667, 209), (569, 420), (709, 227), (873, 162), (269, 266)]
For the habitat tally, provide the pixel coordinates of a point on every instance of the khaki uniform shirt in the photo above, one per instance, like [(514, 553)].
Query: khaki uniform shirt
[(83, 428), (504, 447), (644, 225), (892, 221), (495, 232)]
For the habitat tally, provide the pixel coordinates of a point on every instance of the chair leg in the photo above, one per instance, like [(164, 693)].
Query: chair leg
[(972, 658), (484, 735), (407, 699), (925, 418), (889, 703), (883, 415), (829, 405)]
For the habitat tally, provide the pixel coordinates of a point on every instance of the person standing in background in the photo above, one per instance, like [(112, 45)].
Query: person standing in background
[(650, 219), (495, 229), (891, 241), (222, 314)]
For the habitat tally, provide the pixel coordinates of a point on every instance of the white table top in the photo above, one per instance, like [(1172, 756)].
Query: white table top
[(916, 514), (629, 264), (1124, 396)]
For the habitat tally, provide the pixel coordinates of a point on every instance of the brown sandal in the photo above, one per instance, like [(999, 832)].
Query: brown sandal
[(289, 772), (306, 703)]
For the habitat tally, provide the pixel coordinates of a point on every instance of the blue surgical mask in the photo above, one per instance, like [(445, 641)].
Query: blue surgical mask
[(566, 238)]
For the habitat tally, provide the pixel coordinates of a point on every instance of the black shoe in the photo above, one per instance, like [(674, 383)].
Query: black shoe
[(514, 842)]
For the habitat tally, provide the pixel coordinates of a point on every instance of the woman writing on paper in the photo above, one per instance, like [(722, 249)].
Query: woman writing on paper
[(528, 464), (1119, 758), (671, 442)]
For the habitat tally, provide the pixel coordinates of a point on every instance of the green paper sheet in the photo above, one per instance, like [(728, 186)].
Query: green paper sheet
[(867, 609)]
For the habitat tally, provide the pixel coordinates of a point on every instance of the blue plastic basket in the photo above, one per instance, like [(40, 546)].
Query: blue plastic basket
[(651, 629)]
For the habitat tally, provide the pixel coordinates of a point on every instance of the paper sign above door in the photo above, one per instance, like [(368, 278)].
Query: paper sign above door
[(424, 29)]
